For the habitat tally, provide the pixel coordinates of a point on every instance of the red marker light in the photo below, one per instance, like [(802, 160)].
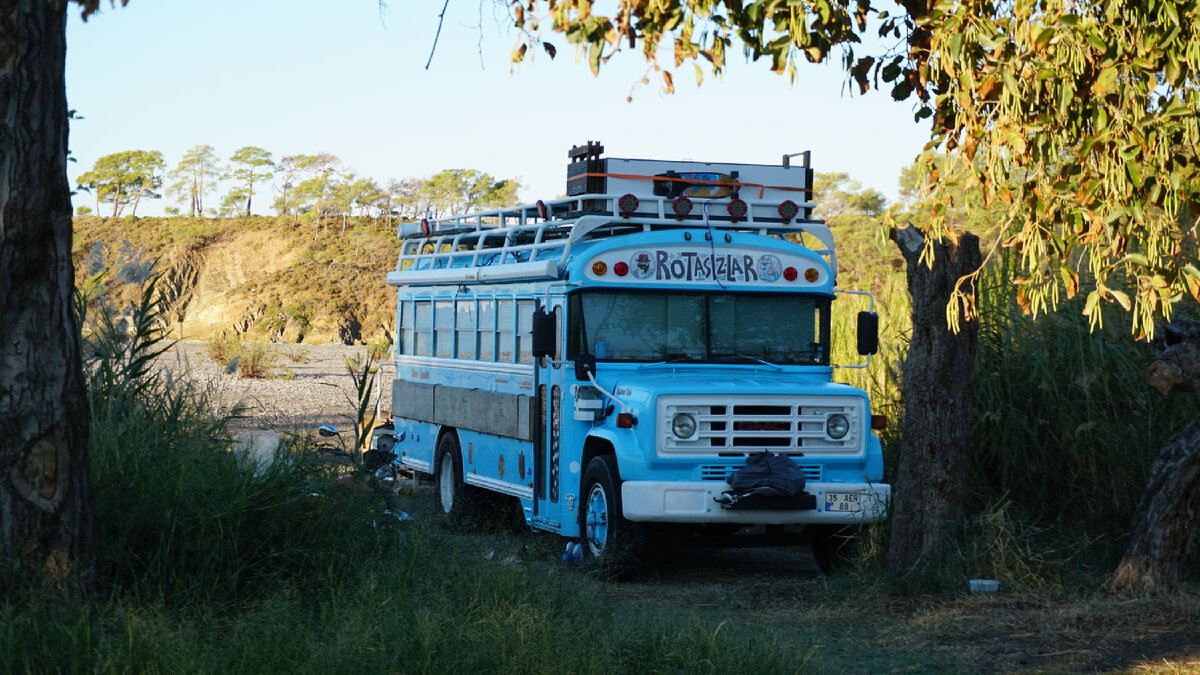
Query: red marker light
[(790, 273), (621, 269), (599, 268), (878, 421), (626, 420)]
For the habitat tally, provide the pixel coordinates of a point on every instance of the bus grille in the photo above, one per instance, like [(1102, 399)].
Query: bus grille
[(812, 472), (737, 426)]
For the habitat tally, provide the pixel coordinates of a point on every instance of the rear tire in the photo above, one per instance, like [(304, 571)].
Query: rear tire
[(455, 499), (611, 545)]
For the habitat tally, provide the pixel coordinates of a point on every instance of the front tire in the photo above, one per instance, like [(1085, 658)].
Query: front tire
[(831, 545), (610, 543)]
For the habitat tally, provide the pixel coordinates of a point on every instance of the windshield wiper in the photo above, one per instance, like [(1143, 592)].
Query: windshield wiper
[(732, 357)]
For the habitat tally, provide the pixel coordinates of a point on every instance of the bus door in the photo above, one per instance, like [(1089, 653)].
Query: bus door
[(554, 414)]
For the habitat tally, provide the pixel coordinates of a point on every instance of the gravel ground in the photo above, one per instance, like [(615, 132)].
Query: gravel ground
[(311, 386)]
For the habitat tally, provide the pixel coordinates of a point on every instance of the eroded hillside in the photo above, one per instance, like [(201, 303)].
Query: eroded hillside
[(261, 278)]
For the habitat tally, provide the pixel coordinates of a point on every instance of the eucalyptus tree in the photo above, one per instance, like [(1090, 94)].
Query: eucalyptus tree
[(251, 165), (195, 175)]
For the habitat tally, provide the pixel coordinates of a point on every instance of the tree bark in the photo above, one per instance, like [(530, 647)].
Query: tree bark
[(1169, 511), (47, 525), (939, 403)]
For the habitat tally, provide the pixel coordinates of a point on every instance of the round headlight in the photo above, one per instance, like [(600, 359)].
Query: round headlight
[(837, 426), (683, 425)]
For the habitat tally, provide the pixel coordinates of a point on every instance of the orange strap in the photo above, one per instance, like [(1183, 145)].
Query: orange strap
[(699, 181)]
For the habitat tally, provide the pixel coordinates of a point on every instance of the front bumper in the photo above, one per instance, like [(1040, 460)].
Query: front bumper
[(693, 502)]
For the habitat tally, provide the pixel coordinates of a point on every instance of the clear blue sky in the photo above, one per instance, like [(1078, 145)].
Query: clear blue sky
[(309, 76)]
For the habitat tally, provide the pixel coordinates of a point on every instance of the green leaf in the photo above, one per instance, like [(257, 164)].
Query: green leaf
[(1122, 299), (1104, 80)]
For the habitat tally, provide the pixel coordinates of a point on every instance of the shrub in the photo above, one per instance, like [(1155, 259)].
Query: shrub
[(257, 361), (222, 348)]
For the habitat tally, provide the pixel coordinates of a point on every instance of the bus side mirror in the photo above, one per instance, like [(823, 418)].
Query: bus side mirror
[(543, 334), (868, 333), (585, 364)]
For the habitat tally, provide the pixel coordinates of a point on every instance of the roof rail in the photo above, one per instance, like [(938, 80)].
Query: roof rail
[(535, 240)]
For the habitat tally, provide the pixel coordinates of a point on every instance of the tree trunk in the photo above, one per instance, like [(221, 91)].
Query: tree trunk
[(939, 403), (1169, 511), (46, 520)]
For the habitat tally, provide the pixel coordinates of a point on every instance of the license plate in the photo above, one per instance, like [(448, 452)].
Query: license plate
[(843, 501)]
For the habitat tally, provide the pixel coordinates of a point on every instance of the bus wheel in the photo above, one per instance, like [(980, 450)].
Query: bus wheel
[(454, 497), (830, 545), (611, 544)]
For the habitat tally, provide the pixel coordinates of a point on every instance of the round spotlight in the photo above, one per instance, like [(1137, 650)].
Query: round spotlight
[(627, 204), (788, 210), (737, 209), (681, 206)]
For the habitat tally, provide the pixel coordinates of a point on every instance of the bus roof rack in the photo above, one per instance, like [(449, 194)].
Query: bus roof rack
[(615, 197)]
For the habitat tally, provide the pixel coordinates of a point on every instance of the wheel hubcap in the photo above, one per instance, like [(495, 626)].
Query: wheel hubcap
[(596, 520)]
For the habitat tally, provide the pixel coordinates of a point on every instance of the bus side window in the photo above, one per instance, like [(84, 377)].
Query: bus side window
[(464, 325), (406, 327), (487, 329), (443, 321), (506, 325), (525, 330), (423, 328)]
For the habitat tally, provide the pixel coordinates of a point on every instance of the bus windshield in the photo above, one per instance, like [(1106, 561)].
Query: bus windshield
[(712, 327)]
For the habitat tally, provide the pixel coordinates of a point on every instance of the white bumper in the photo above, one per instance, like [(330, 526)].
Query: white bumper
[(693, 502)]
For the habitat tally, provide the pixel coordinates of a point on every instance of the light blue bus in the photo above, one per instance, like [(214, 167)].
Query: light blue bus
[(610, 359)]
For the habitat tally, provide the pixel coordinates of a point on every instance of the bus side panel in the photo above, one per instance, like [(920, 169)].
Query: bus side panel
[(503, 465), (419, 444)]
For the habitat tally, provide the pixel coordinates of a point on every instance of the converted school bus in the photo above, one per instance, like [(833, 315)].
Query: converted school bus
[(611, 359)]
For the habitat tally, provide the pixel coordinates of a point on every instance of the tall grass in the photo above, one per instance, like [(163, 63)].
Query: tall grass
[(221, 565), (1066, 426)]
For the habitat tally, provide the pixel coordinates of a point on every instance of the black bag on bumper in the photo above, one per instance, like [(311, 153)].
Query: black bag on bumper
[(767, 481)]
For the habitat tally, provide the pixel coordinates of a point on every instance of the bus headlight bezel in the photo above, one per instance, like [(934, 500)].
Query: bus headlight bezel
[(684, 426), (837, 426)]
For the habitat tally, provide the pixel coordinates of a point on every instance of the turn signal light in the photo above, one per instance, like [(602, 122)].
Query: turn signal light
[(879, 422), (599, 268), (626, 420), (811, 274)]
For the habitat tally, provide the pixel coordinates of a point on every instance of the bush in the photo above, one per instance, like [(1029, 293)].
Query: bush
[(257, 361), (222, 349)]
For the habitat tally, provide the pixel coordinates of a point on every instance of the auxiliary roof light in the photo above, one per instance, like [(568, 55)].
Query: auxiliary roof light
[(599, 268), (788, 210), (621, 268), (541, 209), (681, 206), (425, 226), (790, 273), (737, 209), (811, 275), (627, 204)]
